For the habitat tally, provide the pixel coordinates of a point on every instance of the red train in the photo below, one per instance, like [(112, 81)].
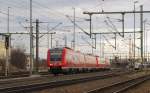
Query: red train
[(65, 60)]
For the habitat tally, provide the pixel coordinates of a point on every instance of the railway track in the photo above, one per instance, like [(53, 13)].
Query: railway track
[(20, 74), (120, 87), (40, 78), (52, 84), (15, 75)]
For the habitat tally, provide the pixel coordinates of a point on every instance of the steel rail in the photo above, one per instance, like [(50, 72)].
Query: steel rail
[(54, 84), (120, 87), (19, 74)]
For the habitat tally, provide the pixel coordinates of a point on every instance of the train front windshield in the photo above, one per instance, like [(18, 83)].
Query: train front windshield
[(55, 55)]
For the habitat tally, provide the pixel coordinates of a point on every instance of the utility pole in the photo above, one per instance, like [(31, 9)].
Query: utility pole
[(145, 39), (141, 23), (146, 36), (65, 38), (52, 39), (115, 41), (130, 47), (51, 34), (90, 25), (31, 40), (74, 35), (7, 40), (92, 45), (134, 30), (100, 45), (37, 45), (48, 32), (123, 24), (134, 34), (95, 41), (7, 49), (47, 41), (8, 21), (103, 48)]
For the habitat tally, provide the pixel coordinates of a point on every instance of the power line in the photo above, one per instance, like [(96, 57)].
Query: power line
[(56, 12), (12, 4)]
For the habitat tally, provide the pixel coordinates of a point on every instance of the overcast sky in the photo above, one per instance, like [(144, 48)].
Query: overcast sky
[(56, 11)]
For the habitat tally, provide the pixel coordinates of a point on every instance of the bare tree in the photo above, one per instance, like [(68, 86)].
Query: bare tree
[(18, 58)]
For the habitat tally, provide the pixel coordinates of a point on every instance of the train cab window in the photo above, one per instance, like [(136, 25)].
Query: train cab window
[(55, 55)]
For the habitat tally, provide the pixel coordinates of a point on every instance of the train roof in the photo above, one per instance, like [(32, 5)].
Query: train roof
[(61, 48), (55, 48)]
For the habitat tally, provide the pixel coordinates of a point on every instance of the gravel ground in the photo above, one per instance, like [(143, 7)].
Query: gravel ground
[(82, 87)]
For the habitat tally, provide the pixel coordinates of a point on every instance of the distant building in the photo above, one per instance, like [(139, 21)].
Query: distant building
[(28, 62), (2, 50), (2, 55)]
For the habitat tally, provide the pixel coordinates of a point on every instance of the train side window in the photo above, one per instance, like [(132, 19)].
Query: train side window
[(75, 58), (68, 57)]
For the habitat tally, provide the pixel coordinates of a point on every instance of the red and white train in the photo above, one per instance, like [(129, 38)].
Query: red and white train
[(65, 60)]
